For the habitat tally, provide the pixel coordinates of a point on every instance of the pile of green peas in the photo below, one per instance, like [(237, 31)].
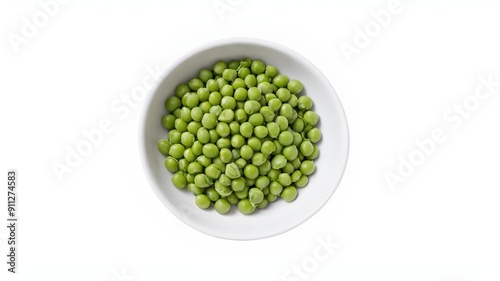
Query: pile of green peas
[(240, 134)]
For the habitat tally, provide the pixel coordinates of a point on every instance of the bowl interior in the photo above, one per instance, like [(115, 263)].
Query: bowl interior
[(279, 216)]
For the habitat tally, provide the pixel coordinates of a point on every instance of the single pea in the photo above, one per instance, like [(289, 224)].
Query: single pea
[(210, 150), (271, 198), (273, 174), (288, 168), (215, 98), (236, 153), (296, 175), (258, 159), (245, 207), (296, 162), (238, 83), (265, 167), (244, 72), (223, 129), (251, 171), (234, 64), (254, 93), (212, 85), (260, 132), (221, 82), (301, 157), (267, 113), (263, 204), (176, 151), (203, 94), (240, 115), (222, 206), (273, 129), (257, 67), (177, 113), (229, 74), (168, 121), (212, 172), (232, 199), (232, 171), (202, 180), (180, 125), (262, 182), (283, 94), (282, 122), (240, 94), (314, 135), (285, 179), (203, 135), (225, 180), (255, 195), (237, 141), (164, 146), (275, 188), (227, 115), (262, 100), (205, 75), (295, 86), (255, 143), (228, 102), (280, 81), (227, 91), (306, 148), (191, 100), (256, 119), (315, 154), (183, 164), (297, 139), (298, 125), (250, 81), (263, 78), (194, 189), (289, 193), (311, 118), (267, 148), (302, 181), (293, 101), (203, 160), (205, 107), (252, 106), (181, 90), (213, 135), (197, 148), (186, 114), (174, 136), (238, 184), (271, 71), (234, 127), (290, 152), (285, 138), (193, 127), (187, 139), (279, 161), (179, 180), (286, 111), (215, 110), (219, 67), (196, 114), (265, 87), (219, 164), (242, 194), (246, 152), (202, 201), (241, 163), (209, 120), (171, 164), (195, 83), (212, 194), (305, 103), (173, 103), (270, 96), (194, 168), (307, 167)]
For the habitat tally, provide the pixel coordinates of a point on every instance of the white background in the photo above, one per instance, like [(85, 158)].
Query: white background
[(103, 222)]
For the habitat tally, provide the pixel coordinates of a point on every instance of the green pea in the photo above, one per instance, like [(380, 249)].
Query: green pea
[(245, 207), (280, 80), (215, 98), (225, 180), (250, 81), (298, 125), (202, 201), (295, 86), (305, 103), (176, 151), (221, 82), (244, 72), (273, 129), (234, 126), (251, 171), (288, 168), (202, 180), (205, 75), (306, 148), (240, 115), (229, 74), (171, 164), (260, 132), (238, 184), (223, 129), (195, 83), (311, 118), (254, 93), (284, 179), (255, 195), (234, 64), (275, 188), (222, 206), (241, 163), (296, 163), (289, 193), (282, 122), (271, 71), (212, 194), (197, 148), (290, 152), (209, 120), (227, 90), (203, 160), (315, 154), (181, 90), (196, 114), (227, 115), (164, 146), (302, 182), (179, 180), (191, 100), (252, 106), (261, 182), (223, 143), (256, 119), (172, 103), (257, 67), (203, 135), (265, 87), (189, 155), (242, 194), (273, 174), (271, 197), (177, 113), (183, 164), (314, 135), (232, 199), (262, 78), (187, 139), (267, 113), (237, 141), (194, 168), (193, 127), (267, 148), (258, 159), (246, 152), (194, 189), (210, 150), (219, 67), (213, 172), (222, 190), (286, 111), (168, 121), (254, 143), (307, 167), (296, 175), (285, 138), (225, 155), (264, 168), (212, 85), (205, 107), (215, 110), (278, 162), (232, 171), (240, 94), (236, 153)]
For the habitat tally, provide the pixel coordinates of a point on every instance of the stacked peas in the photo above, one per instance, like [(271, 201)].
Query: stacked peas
[(240, 134)]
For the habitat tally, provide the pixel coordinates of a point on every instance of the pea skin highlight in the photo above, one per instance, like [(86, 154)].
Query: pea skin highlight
[(240, 134)]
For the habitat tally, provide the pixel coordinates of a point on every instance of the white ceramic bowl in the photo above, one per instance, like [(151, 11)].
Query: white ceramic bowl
[(279, 216)]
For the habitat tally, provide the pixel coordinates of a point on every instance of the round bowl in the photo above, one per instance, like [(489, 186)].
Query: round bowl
[(279, 216)]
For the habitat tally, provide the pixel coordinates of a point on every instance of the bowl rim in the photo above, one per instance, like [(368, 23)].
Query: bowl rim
[(219, 43)]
